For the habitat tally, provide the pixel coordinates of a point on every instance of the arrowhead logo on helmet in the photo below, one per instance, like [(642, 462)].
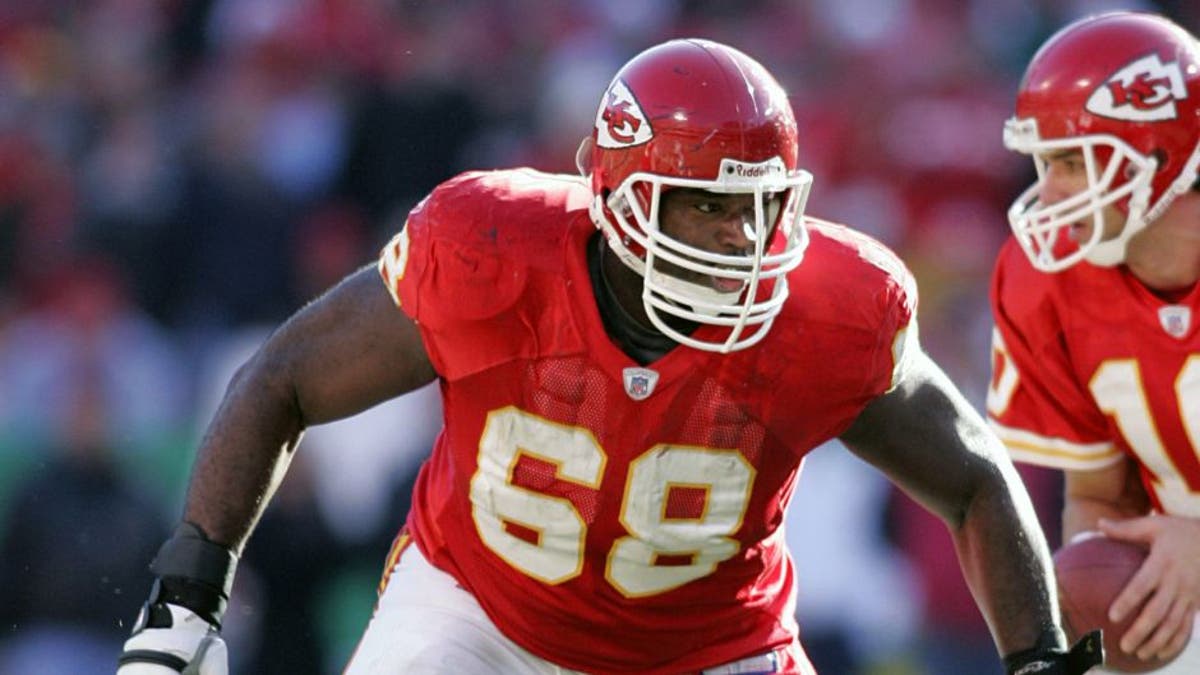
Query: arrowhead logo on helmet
[(620, 122), (1142, 91)]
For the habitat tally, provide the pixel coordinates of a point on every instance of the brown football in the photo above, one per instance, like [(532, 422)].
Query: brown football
[(1091, 572)]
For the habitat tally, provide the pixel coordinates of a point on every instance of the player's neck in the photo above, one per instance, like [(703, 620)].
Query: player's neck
[(618, 297), (624, 285), (1165, 257)]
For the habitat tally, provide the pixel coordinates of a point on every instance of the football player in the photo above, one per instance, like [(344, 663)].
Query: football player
[(633, 365), (1097, 349)]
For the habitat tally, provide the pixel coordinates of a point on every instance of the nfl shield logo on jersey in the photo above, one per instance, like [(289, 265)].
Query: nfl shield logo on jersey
[(1175, 319), (639, 382)]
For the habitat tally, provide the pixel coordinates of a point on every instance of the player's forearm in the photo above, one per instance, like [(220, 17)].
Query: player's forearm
[(1006, 562), (932, 443), (341, 354), (1083, 515), (1114, 492), (244, 454)]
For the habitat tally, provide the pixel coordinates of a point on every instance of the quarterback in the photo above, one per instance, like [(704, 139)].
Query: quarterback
[(1097, 347)]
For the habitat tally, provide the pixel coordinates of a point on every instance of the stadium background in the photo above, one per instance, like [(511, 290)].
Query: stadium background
[(176, 177)]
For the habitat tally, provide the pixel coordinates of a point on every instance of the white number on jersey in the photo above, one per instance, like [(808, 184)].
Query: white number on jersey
[(722, 476), (1118, 390)]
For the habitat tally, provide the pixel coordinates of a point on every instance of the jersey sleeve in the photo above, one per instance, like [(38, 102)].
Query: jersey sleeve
[(1035, 403), (899, 340), (447, 264), (448, 271), (901, 311)]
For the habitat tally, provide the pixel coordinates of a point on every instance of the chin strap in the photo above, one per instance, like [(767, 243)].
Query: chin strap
[(1112, 252)]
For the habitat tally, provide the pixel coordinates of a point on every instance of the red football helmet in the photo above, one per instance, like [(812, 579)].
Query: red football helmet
[(697, 114), (1124, 89)]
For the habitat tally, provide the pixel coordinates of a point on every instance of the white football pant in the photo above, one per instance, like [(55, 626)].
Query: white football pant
[(426, 624)]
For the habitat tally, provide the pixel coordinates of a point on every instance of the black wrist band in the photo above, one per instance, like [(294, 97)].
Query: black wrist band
[(1049, 642), (200, 598), (190, 555), (1087, 652), (1046, 653)]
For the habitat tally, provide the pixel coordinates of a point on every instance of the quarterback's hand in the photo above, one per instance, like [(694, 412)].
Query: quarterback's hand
[(170, 639), (1170, 578), (1088, 652)]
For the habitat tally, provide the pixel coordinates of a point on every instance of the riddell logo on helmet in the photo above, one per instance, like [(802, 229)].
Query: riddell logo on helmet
[(620, 122), (734, 174), (1143, 91), (756, 170)]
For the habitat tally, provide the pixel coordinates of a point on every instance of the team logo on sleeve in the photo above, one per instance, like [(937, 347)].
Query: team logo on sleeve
[(393, 262), (620, 122), (1143, 91), (639, 382)]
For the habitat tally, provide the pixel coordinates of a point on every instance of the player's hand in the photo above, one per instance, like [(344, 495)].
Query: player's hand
[(177, 630), (1170, 578), (170, 639), (1086, 653)]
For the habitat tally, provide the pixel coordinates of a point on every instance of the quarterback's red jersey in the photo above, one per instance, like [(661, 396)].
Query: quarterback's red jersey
[(1090, 367), (611, 517)]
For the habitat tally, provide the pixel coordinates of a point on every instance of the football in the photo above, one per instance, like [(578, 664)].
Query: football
[(1091, 572)]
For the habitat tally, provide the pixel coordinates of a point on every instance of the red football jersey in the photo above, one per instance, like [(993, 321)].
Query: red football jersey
[(1090, 367), (611, 517)]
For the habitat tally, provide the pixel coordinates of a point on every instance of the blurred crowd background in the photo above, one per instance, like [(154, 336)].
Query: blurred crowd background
[(176, 177)]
